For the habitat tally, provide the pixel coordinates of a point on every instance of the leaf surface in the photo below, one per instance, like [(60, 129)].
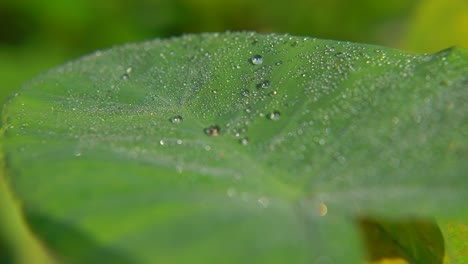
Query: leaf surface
[(225, 148)]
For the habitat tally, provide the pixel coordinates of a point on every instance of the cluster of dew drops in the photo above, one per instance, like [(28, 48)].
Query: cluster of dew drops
[(215, 130)]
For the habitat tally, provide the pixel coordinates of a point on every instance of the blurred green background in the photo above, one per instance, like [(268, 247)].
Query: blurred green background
[(38, 34)]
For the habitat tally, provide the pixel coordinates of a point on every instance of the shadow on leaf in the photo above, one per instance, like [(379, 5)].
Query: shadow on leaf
[(69, 245), (405, 241)]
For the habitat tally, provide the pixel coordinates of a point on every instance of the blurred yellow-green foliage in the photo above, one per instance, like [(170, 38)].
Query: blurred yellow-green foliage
[(38, 34)]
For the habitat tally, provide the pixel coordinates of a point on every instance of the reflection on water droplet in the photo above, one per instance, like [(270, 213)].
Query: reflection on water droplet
[(275, 115), (244, 141), (176, 119), (263, 85), (212, 130), (256, 60), (278, 63), (161, 142), (129, 70), (322, 209)]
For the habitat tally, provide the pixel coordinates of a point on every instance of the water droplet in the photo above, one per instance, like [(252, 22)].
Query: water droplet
[(231, 192), (339, 54), (125, 77), (263, 201), (256, 60), (278, 63), (176, 119), (244, 141), (263, 85), (161, 142), (212, 130), (322, 210), (275, 115), (321, 141), (245, 92), (129, 70)]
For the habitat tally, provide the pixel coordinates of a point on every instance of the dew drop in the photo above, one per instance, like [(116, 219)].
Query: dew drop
[(263, 201), (256, 60), (212, 130), (176, 119), (244, 141), (129, 70), (263, 85), (245, 92), (125, 77), (231, 192), (322, 210), (275, 115)]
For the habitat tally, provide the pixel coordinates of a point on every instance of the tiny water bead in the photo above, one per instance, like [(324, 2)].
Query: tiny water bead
[(256, 60), (322, 210), (263, 85), (244, 141), (245, 92), (212, 130), (263, 201), (125, 77), (176, 119), (275, 115)]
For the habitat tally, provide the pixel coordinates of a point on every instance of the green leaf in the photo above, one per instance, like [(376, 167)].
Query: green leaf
[(456, 234), (196, 150)]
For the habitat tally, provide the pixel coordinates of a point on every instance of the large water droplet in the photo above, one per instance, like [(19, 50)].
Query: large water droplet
[(176, 119), (275, 115), (256, 60), (212, 130)]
